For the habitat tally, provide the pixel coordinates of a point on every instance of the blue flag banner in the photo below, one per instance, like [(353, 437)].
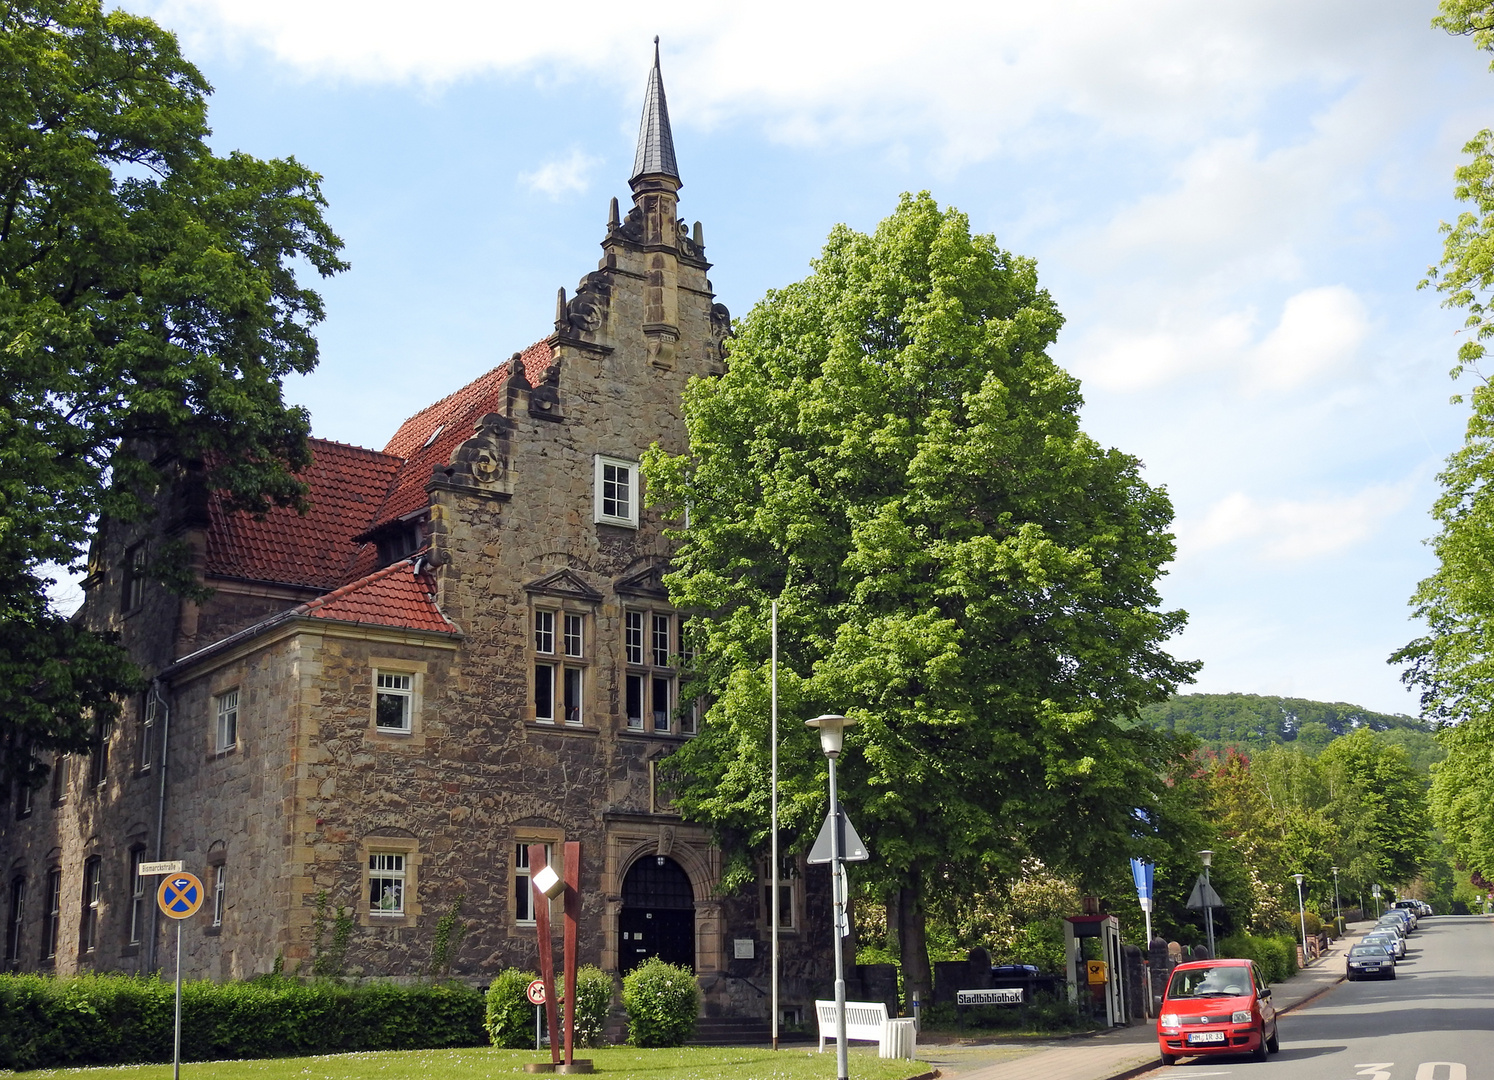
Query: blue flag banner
[(1141, 871)]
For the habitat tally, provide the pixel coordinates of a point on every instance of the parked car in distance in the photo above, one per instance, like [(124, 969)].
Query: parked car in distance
[(1369, 960), (1388, 922), (1403, 916), (1216, 1007), (1394, 944)]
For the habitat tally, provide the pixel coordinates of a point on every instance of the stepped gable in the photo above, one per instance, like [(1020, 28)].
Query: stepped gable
[(395, 596), (431, 436), (347, 486)]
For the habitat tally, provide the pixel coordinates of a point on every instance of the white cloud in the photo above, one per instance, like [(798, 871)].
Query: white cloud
[(1291, 530), (1319, 333), (561, 176)]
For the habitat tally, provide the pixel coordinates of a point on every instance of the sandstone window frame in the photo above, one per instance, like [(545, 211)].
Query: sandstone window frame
[(519, 875), (652, 669), (559, 668), (409, 849), (226, 707), (417, 670), (790, 894), (616, 491), (52, 918), (135, 931), (93, 903)]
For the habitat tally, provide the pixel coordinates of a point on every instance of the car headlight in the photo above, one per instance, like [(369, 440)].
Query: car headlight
[(1169, 1019), (1240, 1016)]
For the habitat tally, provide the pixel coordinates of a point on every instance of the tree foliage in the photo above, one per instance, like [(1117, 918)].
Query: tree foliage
[(894, 458), (149, 308)]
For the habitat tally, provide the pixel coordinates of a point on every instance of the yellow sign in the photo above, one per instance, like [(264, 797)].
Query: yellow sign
[(180, 895), (1098, 971)]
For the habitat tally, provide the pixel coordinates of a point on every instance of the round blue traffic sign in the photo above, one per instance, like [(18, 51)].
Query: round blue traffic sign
[(180, 895)]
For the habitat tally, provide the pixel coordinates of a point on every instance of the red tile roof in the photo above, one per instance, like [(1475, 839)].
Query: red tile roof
[(348, 484), (431, 436), (353, 491), (394, 596)]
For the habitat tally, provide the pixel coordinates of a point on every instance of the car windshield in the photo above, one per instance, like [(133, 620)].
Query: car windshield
[(1209, 982), (1379, 937), (1367, 950)]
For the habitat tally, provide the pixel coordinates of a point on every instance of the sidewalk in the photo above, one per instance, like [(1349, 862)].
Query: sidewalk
[(1122, 1052)]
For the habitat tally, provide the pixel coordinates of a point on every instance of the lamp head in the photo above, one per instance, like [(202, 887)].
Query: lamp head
[(1335, 870), (1206, 857), (1299, 878), (832, 732)]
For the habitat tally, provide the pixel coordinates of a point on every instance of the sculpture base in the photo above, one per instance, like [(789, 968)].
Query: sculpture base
[(539, 1066), (577, 1065)]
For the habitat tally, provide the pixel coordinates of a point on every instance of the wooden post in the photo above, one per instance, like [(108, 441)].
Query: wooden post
[(572, 916), (546, 947)]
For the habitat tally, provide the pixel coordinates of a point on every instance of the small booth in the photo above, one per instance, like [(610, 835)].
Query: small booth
[(1094, 962)]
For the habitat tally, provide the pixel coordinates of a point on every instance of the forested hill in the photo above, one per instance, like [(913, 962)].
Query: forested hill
[(1253, 721)]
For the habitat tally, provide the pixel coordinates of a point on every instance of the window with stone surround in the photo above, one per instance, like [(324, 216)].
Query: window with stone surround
[(396, 700), (138, 885), (393, 694), (390, 867), (226, 707), (616, 495), (523, 890), (52, 916), (788, 893), (93, 895), (61, 765), (560, 660), (98, 755), (132, 587), (220, 886), (651, 679), (15, 922), (145, 745)]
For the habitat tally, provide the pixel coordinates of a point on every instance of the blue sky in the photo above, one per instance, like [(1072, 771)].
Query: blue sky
[(1231, 203)]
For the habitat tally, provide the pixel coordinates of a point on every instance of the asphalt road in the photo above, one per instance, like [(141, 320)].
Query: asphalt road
[(1435, 1021)]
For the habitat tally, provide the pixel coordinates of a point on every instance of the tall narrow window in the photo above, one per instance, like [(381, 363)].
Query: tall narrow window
[(523, 892), (61, 765), (24, 793), (88, 931), (616, 491), (228, 720), (132, 593), (573, 635), (394, 693), (386, 883), (635, 695), (544, 631), (15, 922), (52, 926), (573, 695), (662, 692), (661, 640), (544, 693), (633, 636), (146, 751), (649, 689), (137, 896), (220, 883), (98, 757)]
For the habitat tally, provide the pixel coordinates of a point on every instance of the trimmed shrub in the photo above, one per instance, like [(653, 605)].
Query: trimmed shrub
[(662, 1002), (122, 1019), (1275, 957), (509, 1019), (1314, 924), (593, 1002)]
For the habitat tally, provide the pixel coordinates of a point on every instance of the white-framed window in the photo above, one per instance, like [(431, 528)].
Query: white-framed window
[(93, 889), (559, 685), (788, 887), (523, 891), (574, 635), (132, 594), (649, 683), (227, 707), (15, 921), (394, 694), (220, 884), (52, 927), (137, 896), (544, 631), (386, 883), (146, 750), (544, 693), (616, 493)]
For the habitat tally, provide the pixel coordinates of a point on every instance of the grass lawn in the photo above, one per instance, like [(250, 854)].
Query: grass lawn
[(619, 1062)]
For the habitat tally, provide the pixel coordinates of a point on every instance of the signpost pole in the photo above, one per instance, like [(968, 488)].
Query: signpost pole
[(773, 832), (837, 884), (176, 1053)]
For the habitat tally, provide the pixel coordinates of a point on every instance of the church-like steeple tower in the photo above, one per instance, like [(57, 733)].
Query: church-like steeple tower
[(655, 156), (656, 184)]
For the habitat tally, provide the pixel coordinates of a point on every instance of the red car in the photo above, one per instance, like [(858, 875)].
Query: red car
[(1216, 1007)]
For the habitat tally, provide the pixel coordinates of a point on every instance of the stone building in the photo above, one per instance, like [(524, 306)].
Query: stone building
[(462, 649)]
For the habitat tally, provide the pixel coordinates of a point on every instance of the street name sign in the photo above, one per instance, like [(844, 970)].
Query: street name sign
[(154, 869), (1008, 996)]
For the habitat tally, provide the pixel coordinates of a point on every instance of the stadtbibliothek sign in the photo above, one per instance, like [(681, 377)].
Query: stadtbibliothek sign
[(1009, 996)]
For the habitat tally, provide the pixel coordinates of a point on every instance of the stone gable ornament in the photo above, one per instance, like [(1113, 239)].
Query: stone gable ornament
[(480, 466)]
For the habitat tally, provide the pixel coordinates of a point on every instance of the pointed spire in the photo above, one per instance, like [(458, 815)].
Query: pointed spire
[(655, 155)]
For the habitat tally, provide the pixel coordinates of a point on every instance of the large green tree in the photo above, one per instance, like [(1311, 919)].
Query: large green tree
[(149, 308), (894, 458)]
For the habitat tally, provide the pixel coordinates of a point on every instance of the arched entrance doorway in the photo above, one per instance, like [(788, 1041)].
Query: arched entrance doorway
[(658, 914)]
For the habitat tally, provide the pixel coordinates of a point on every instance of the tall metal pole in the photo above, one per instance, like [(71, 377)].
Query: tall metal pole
[(176, 1053), (837, 878), (1338, 910), (773, 826), (1209, 912), (1302, 913)]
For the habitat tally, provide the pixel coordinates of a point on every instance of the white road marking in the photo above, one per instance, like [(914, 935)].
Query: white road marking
[(1377, 1071), (1427, 1070)]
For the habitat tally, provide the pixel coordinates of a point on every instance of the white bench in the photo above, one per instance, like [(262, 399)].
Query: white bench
[(868, 1021)]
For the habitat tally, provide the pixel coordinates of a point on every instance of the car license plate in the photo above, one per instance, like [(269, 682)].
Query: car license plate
[(1198, 1037)]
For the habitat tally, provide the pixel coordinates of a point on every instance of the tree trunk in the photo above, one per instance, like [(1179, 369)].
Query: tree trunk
[(914, 946), (894, 942)]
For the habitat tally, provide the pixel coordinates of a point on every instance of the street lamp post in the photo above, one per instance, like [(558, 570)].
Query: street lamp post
[(1302, 913), (1207, 858), (1338, 911), (832, 737)]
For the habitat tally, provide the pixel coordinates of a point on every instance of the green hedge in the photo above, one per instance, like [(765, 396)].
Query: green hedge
[(662, 1002), (121, 1019), (1275, 957)]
